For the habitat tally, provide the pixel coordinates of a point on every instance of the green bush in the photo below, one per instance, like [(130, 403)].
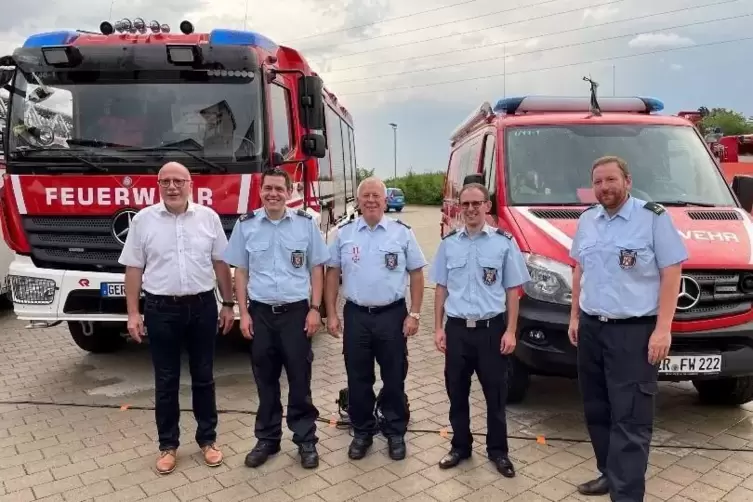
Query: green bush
[(422, 189)]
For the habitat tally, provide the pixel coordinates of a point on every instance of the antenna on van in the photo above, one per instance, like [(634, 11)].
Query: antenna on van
[(595, 108)]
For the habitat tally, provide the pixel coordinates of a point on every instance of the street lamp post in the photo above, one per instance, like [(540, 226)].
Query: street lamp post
[(394, 144)]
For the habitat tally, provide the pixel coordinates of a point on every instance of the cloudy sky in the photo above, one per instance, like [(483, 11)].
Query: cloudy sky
[(425, 64)]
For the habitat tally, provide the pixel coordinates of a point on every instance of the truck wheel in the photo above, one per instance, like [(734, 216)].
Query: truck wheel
[(725, 391), (518, 379), (95, 337)]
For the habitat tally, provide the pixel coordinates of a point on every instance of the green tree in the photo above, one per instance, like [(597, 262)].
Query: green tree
[(362, 173), (729, 121)]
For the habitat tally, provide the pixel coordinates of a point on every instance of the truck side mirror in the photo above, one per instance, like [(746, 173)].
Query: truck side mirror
[(314, 145), (742, 186), (311, 102)]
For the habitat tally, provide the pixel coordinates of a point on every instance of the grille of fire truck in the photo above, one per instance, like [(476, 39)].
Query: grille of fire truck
[(720, 295)]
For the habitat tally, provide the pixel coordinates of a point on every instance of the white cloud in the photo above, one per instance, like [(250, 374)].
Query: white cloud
[(652, 40)]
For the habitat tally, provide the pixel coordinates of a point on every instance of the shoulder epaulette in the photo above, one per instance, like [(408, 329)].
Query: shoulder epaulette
[(403, 223), (654, 207), (303, 213), (246, 216), (505, 233), (452, 232), (348, 222), (590, 207)]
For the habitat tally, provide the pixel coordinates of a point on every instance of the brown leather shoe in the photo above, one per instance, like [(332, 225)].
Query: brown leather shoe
[(212, 456), (166, 461)]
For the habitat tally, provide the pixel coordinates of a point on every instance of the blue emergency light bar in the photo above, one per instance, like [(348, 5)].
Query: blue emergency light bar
[(237, 37), (51, 38), (567, 104)]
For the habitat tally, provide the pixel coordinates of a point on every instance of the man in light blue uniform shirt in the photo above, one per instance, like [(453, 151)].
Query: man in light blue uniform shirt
[(279, 255), (626, 280), (478, 270), (376, 256)]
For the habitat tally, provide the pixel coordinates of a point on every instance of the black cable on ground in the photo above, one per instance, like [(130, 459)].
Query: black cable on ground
[(344, 423)]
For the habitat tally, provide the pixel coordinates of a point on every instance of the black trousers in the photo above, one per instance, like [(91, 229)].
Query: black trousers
[(619, 386), (171, 324), (477, 349), (370, 335), (280, 341)]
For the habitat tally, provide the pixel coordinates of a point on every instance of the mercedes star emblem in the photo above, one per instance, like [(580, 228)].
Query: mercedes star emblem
[(121, 223), (690, 293)]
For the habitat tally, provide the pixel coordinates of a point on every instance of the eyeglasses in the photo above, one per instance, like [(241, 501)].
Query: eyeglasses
[(475, 203), (179, 183)]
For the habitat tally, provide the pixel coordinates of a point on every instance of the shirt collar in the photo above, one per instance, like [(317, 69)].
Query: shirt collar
[(288, 214), (625, 211), (163, 208), (486, 229), (362, 223)]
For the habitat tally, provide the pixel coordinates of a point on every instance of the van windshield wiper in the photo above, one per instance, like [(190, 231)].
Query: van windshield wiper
[(92, 166), (683, 203), (173, 147)]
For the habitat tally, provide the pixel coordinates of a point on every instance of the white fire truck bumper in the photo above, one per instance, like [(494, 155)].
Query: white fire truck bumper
[(51, 295)]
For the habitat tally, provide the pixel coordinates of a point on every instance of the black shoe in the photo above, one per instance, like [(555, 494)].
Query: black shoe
[(504, 466), (598, 486), (396, 447), (453, 458), (358, 448), (261, 453), (309, 456)]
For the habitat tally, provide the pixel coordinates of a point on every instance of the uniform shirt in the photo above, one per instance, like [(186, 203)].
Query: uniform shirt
[(477, 271), (175, 251), (621, 257), (278, 254), (375, 261)]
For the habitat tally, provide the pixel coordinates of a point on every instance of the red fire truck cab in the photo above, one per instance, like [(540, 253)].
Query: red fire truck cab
[(535, 153), (117, 106)]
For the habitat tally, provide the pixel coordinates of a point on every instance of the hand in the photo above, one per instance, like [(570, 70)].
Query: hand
[(440, 340), (410, 326), (658, 345), (136, 327), (509, 340), (226, 319), (333, 325), (313, 321), (247, 326), (572, 331)]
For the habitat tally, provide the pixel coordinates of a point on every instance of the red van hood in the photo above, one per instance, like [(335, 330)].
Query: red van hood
[(712, 242)]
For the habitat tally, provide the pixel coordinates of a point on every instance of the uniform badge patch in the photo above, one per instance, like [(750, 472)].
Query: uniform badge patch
[(296, 258), (390, 261), (490, 276), (627, 258)]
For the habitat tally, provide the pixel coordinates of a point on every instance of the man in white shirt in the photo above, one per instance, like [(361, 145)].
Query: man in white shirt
[(173, 253)]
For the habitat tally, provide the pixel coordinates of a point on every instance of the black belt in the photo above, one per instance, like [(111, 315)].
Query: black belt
[(281, 308), (180, 299), (473, 323), (646, 319), (376, 309)]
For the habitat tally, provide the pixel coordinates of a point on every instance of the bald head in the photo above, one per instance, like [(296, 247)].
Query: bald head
[(174, 169), (174, 186)]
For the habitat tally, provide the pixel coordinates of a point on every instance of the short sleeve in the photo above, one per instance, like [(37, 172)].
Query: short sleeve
[(133, 254), (235, 253), (515, 270), (438, 270), (669, 247), (220, 239), (319, 254), (576, 240), (414, 259), (334, 251)]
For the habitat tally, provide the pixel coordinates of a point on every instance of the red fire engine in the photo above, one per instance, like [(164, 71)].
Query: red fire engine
[(117, 106)]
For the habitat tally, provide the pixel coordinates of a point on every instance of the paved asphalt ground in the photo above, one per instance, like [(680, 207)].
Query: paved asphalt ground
[(106, 449)]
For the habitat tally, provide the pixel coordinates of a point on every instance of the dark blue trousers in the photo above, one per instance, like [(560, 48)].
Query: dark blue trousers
[(619, 386), (173, 323)]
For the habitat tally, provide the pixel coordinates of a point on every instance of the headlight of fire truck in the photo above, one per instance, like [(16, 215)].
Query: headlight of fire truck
[(551, 281)]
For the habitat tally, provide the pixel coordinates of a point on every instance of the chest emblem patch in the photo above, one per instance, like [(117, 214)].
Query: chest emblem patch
[(390, 261), (627, 258), (296, 258), (490, 276)]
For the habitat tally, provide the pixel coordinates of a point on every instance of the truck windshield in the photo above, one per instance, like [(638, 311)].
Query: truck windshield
[(141, 116), (551, 165)]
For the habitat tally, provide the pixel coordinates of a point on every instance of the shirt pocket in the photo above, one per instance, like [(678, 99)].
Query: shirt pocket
[(588, 254), (490, 268), (391, 257), (257, 252), (200, 248), (632, 256), (294, 252), (457, 271)]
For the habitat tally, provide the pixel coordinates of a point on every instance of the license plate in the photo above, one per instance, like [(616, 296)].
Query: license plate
[(691, 365), (112, 289)]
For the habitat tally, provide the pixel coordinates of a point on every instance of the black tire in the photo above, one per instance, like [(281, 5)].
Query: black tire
[(725, 391), (399, 209), (103, 339), (518, 379)]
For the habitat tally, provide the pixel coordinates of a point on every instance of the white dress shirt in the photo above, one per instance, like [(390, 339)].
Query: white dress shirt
[(175, 251)]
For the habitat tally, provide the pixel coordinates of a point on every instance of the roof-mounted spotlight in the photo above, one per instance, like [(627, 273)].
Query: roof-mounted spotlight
[(139, 25), (124, 25), (154, 26), (165, 28), (106, 28), (186, 27)]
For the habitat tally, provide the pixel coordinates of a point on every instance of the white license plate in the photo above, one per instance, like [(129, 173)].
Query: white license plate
[(691, 365), (112, 289)]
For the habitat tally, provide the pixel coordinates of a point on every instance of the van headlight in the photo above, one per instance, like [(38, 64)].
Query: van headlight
[(551, 281)]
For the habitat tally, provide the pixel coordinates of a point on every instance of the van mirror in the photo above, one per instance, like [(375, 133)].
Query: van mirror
[(314, 145), (5, 76), (311, 102), (742, 186), (473, 178)]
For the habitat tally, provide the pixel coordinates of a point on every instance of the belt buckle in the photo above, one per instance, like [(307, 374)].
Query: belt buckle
[(275, 311), (603, 318), (371, 309), (470, 323)]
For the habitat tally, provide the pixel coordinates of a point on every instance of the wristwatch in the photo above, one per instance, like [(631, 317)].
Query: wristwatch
[(228, 304), (415, 315), (315, 307)]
